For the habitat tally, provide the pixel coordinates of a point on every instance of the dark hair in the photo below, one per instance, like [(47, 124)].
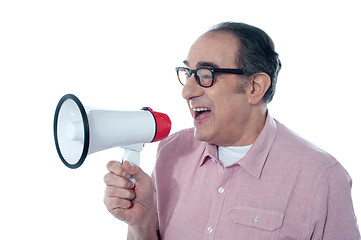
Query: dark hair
[(256, 52)]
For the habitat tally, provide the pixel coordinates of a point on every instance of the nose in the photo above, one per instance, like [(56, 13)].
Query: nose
[(192, 89)]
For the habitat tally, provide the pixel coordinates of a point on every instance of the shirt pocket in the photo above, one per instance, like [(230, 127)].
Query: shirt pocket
[(258, 218)]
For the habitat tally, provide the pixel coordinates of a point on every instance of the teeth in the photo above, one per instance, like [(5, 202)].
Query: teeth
[(201, 109)]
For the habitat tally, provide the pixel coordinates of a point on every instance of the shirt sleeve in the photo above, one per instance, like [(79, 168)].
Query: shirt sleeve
[(333, 216)]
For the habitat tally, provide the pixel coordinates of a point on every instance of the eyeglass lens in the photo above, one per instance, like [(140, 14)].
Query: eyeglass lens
[(203, 76)]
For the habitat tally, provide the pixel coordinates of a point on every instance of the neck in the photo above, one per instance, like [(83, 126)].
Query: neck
[(254, 127)]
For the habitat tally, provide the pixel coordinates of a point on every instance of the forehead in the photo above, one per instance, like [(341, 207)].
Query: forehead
[(214, 48)]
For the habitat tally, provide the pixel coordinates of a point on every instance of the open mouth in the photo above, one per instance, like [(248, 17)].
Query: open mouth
[(199, 111)]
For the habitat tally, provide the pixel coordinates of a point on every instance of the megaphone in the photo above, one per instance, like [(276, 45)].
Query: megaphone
[(80, 131)]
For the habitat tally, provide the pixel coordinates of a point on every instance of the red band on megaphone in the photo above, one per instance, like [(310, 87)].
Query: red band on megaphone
[(163, 124)]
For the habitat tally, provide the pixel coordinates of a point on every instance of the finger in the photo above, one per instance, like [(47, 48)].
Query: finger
[(111, 191), (111, 179), (113, 203), (117, 168), (138, 174)]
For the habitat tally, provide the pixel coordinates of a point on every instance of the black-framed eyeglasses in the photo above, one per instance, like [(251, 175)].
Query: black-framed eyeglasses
[(204, 76)]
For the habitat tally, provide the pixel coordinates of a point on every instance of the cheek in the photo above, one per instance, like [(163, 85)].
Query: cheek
[(229, 101), (224, 116), (231, 109)]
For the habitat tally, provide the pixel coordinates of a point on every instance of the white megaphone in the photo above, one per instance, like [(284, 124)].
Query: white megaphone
[(80, 131)]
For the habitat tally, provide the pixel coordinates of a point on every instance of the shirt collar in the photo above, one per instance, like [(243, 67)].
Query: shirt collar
[(210, 152), (254, 161)]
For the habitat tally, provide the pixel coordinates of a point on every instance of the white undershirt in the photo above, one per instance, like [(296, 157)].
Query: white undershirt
[(229, 155)]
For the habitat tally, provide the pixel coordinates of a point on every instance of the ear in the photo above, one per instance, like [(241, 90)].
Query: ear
[(259, 84)]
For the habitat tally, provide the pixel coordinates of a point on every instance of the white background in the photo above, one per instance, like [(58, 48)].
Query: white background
[(122, 55)]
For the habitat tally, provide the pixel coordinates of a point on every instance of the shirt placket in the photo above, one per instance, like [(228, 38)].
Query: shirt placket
[(220, 192)]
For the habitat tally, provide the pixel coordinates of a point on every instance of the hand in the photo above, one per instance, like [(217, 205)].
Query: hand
[(135, 207)]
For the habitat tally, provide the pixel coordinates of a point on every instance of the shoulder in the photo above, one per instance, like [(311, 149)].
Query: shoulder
[(298, 149), (179, 143), (180, 137), (176, 154), (315, 166), (180, 148)]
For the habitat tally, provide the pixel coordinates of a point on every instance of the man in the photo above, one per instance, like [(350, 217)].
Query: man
[(238, 174)]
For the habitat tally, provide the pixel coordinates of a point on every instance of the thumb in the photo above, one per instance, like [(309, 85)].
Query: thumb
[(137, 173)]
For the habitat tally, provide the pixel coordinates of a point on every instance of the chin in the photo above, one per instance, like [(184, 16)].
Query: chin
[(198, 135), (201, 136)]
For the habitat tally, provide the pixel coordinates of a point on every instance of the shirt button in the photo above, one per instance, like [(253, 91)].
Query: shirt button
[(210, 229), (221, 190)]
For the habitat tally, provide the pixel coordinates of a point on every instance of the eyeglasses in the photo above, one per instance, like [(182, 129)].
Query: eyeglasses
[(204, 76)]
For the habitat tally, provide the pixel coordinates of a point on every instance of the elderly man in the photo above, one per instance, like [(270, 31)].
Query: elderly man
[(239, 173)]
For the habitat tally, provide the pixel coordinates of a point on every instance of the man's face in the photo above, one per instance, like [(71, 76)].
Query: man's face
[(221, 113)]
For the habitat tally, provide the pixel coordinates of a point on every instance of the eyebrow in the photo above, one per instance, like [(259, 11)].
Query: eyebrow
[(202, 64)]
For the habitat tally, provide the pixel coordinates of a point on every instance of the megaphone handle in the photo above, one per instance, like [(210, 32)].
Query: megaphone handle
[(132, 154)]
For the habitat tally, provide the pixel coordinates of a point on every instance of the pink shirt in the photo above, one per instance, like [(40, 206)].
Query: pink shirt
[(284, 188)]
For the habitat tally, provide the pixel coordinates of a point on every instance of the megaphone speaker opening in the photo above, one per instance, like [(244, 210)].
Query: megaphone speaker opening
[(71, 131)]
